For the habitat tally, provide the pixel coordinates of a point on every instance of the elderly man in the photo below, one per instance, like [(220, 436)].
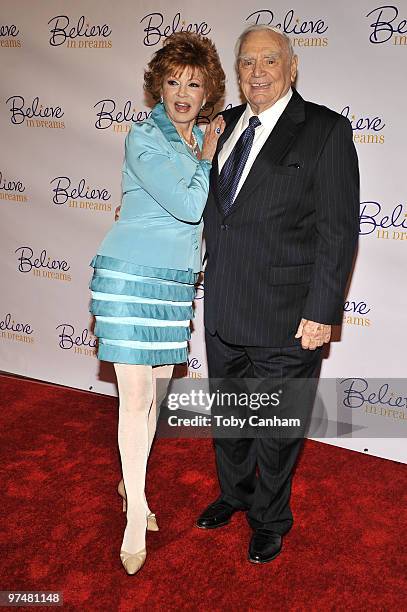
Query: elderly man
[(281, 228)]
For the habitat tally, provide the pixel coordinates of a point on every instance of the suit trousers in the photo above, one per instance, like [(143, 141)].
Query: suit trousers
[(255, 473)]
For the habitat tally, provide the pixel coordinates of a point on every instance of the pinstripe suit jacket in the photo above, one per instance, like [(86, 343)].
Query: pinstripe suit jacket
[(286, 248)]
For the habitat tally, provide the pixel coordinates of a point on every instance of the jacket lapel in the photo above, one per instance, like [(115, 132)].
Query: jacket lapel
[(276, 146)]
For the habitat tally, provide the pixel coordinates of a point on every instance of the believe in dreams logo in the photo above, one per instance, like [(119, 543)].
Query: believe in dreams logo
[(366, 129), (13, 190), (79, 195), (16, 330), (79, 34), (308, 32), (109, 114), (81, 343), (42, 265), (375, 222), (34, 114), (157, 27), (375, 397)]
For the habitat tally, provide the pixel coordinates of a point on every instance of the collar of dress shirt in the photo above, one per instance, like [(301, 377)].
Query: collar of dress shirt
[(270, 116)]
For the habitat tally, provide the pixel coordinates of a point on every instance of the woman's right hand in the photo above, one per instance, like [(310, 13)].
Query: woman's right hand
[(212, 133)]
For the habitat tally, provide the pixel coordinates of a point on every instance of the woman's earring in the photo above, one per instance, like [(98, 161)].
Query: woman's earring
[(162, 100), (203, 105)]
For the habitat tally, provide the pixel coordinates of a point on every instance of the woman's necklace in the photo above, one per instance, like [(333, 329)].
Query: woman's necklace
[(194, 146)]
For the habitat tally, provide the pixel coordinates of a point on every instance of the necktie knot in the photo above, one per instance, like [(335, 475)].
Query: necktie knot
[(254, 122)]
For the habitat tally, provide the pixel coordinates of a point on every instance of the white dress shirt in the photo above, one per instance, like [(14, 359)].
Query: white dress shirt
[(268, 120)]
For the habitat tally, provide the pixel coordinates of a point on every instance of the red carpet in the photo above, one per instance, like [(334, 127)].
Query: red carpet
[(62, 521)]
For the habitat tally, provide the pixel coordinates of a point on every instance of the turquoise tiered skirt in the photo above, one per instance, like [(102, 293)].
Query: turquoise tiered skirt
[(142, 314)]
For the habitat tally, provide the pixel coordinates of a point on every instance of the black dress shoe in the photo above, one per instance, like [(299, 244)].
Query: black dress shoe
[(216, 515), (265, 545)]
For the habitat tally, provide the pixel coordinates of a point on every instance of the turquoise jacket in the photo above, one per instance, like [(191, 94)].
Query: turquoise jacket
[(165, 189)]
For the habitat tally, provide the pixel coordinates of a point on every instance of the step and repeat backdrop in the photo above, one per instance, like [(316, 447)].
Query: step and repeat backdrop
[(71, 86)]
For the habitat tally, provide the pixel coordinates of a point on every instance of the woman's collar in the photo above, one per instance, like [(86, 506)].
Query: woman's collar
[(168, 128)]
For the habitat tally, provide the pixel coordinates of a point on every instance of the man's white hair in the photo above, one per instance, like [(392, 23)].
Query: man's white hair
[(259, 28)]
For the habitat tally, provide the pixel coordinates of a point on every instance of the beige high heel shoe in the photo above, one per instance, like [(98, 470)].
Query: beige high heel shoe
[(132, 563), (151, 518)]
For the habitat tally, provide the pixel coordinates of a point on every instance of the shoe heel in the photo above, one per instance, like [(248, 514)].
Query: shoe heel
[(122, 492), (152, 524)]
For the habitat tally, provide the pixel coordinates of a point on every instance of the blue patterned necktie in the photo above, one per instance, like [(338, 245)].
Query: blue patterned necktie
[(234, 165)]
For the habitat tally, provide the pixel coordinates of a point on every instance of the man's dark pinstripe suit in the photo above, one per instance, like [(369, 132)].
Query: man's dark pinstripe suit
[(284, 252)]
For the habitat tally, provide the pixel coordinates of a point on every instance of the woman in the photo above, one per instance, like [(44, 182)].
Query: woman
[(146, 267)]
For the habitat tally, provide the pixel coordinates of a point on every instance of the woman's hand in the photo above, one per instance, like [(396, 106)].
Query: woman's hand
[(212, 133)]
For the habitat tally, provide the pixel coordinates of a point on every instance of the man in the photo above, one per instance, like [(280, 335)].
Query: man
[(281, 228)]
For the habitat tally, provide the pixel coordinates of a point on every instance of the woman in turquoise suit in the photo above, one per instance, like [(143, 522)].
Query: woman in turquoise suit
[(146, 267)]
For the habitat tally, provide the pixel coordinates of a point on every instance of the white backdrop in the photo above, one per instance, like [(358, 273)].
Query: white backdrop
[(71, 85)]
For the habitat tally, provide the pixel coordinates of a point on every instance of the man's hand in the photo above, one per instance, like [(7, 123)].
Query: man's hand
[(313, 334), (117, 213)]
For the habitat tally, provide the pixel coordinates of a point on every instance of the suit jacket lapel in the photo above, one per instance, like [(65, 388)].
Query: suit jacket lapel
[(276, 146)]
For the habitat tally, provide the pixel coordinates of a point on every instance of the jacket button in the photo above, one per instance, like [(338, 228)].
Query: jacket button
[(224, 226)]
